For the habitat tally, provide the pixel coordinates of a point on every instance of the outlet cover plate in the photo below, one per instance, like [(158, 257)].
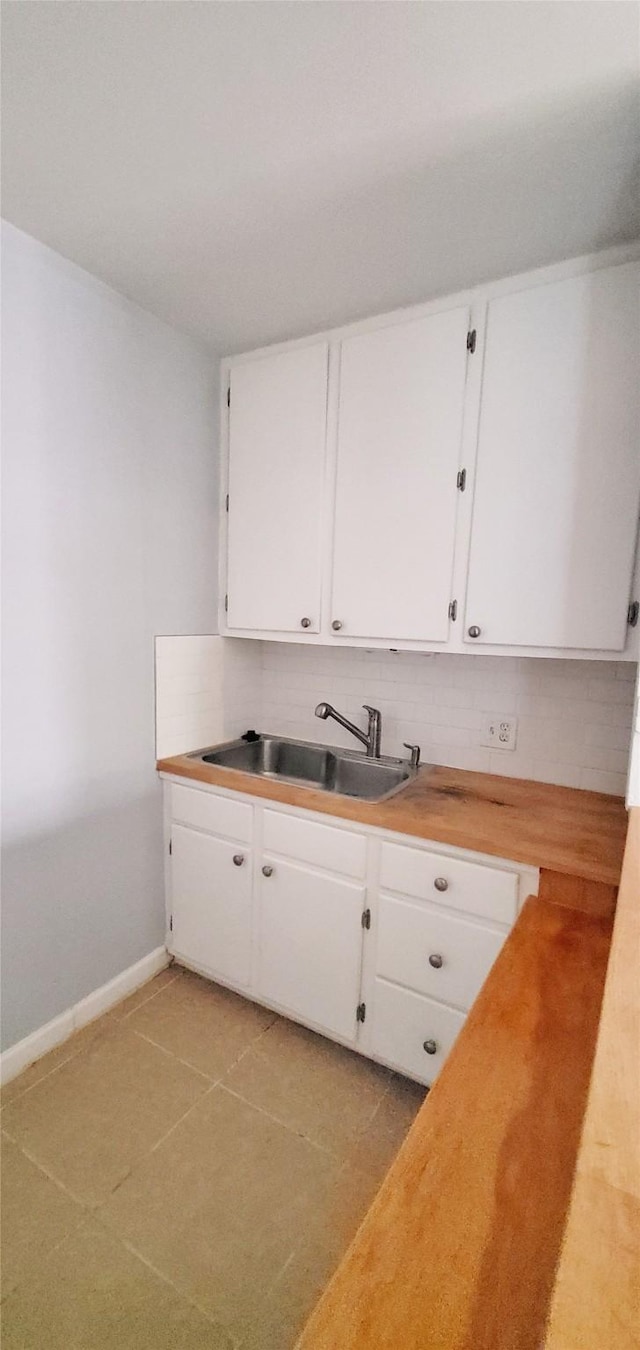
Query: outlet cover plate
[(499, 732)]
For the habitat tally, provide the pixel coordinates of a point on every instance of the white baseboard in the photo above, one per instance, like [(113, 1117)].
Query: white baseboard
[(24, 1053)]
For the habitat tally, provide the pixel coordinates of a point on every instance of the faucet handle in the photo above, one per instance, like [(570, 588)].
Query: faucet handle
[(415, 754)]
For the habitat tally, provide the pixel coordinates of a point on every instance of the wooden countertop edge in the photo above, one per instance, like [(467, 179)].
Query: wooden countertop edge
[(596, 1301), (460, 1247), (565, 830)]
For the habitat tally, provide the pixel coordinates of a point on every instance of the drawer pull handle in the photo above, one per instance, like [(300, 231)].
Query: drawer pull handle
[(267, 871), (435, 960), (441, 884), (430, 1047), (238, 859)]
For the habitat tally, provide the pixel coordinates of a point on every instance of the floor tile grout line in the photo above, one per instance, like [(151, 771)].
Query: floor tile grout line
[(74, 1054), (277, 1120), (156, 994), (172, 1055), (169, 1132), (282, 1272), (82, 1221), (133, 1251), (87, 1208)]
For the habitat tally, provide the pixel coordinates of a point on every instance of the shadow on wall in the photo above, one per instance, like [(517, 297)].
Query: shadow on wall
[(72, 911)]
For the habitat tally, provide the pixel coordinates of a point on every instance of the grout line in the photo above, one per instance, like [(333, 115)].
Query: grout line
[(183, 1117), (23, 1093), (82, 1221), (84, 1204), (299, 1134), (156, 993), (171, 1055), (110, 1014), (133, 1251), (281, 1273)]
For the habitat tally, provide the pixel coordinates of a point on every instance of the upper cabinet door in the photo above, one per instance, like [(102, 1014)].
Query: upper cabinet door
[(277, 434), (399, 435), (558, 472)]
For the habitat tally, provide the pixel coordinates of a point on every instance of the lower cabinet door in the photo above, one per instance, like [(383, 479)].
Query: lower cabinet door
[(211, 903), (310, 945), (413, 1033)]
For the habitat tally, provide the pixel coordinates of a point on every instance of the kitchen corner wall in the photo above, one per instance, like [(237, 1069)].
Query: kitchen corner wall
[(109, 537)]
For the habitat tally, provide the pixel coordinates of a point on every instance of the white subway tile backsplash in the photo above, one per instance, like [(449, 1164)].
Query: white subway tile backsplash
[(441, 702), (574, 718)]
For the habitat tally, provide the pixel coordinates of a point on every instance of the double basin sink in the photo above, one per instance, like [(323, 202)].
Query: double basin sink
[(325, 768)]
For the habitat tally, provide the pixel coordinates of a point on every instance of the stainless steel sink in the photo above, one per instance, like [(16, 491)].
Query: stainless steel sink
[(326, 768)]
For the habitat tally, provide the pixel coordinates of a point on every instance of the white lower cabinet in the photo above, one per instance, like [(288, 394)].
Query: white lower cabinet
[(411, 1032), (382, 945), (435, 953), (211, 903), (310, 944)]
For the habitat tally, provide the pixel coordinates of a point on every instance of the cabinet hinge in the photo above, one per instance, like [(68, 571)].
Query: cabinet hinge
[(632, 613), (226, 504), (226, 604), (229, 396), (170, 847), (461, 480), (453, 610), (361, 1012), (471, 341), (171, 923), (366, 918)]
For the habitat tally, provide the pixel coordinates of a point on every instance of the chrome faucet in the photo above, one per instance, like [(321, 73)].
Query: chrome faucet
[(369, 738)]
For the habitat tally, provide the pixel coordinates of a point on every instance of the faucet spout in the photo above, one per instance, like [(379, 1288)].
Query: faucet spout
[(370, 738)]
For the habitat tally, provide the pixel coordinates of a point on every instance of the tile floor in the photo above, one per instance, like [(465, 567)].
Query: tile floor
[(185, 1173)]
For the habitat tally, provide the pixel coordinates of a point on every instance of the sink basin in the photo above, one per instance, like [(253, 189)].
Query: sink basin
[(325, 768)]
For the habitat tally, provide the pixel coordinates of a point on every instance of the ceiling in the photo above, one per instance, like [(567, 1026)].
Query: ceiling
[(254, 171)]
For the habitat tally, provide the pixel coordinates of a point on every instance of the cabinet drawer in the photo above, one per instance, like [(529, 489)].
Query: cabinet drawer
[(320, 845), (205, 811), (487, 891), (434, 953), (403, 1021)]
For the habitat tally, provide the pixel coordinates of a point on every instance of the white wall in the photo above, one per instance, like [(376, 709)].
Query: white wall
[(574, 717), (109, 538)]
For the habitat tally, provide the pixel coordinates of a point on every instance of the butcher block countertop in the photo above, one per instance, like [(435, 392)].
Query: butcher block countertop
[(596, 1301), (460, 1247), (565, 830)]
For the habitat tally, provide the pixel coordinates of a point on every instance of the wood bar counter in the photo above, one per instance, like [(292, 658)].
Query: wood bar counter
[(460, 1248)]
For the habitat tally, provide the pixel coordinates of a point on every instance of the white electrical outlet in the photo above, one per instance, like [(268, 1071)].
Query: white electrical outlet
[(500, 732)]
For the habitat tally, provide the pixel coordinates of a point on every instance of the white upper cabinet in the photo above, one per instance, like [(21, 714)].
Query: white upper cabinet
[(277, 434), (399, 434), (385, 472), (558, 471)]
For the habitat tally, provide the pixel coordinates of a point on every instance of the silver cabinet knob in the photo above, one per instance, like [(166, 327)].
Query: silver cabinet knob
[(435, 960), (441, 884), (430, 1047), (305, 623), (474, 631), (336, 625), (267, 871), (238, 859)]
